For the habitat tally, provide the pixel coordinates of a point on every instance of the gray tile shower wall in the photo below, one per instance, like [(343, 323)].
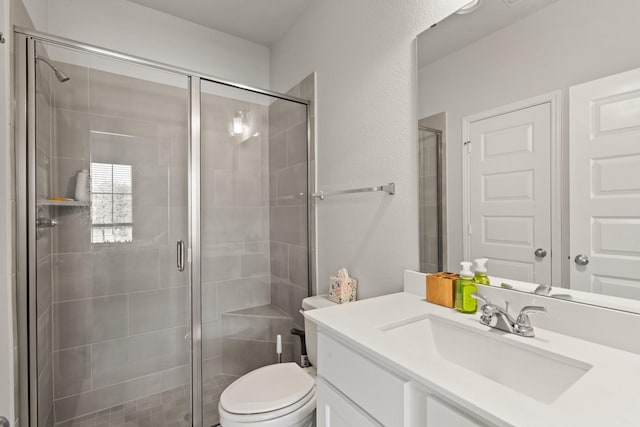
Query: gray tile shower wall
[(288, 195), (119, 311)]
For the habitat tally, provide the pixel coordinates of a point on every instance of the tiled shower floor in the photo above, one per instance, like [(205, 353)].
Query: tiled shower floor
[(167, 409)]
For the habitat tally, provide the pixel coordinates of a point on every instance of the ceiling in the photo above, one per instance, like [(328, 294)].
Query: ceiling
[(458, 31), (261, 21)]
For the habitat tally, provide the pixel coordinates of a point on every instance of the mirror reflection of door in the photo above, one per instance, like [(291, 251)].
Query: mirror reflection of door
[(605, 185), (509, 191)]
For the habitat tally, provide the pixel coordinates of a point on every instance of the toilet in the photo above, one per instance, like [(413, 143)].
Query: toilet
[(281, 395)]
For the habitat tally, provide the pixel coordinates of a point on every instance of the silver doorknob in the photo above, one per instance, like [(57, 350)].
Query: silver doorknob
[(540, 253), (581, 259), (4, 422)]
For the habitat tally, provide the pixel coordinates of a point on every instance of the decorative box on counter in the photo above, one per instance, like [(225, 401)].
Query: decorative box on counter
[(342, 288), (441, 288)]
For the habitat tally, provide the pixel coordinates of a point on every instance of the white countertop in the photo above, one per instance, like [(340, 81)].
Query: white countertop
[(606, 395)]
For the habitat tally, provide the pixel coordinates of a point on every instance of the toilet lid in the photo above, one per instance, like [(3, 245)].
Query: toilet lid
[(267, 389)]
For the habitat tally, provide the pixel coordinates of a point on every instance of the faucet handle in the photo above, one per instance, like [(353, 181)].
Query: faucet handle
[(532, 309), (488, 304), (523, 323), (480, 297), (487, 308)]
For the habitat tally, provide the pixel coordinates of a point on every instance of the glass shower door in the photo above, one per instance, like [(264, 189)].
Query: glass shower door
[(254, 233), (110, 168)]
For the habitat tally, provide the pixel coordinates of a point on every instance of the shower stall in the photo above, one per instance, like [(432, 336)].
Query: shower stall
[(431, 200), (147, 288)]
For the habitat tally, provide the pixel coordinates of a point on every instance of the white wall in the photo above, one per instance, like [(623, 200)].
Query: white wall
[(569, 42), (364, 55), (38, 11), (130, 28)]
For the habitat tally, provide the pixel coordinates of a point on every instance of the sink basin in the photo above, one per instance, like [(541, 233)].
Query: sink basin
[(537, 373)]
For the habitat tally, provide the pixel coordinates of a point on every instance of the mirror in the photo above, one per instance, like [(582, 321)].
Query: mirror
[(539, 109)]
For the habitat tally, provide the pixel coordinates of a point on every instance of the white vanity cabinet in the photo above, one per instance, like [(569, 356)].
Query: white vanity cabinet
[(395, 360), (354, 390)]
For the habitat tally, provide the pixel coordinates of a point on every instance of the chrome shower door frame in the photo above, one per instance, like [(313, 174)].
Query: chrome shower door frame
[(193, 253), (26, 228), (26, 207)]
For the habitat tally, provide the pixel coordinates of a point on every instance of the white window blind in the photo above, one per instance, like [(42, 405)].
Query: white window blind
[(111, 203)]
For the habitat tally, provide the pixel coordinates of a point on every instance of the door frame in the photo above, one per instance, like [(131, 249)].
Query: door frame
[(554, 100)]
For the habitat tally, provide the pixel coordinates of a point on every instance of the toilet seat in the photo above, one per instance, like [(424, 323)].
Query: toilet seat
[(267, 389), (269, 393), (300, 410)]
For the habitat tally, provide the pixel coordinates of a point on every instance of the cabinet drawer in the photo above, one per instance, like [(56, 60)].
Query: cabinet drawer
[(441, 414), (370, 386), (335, 410)]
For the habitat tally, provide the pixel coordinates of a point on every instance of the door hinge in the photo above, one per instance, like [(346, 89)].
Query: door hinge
[(468, 145), (469, 229)]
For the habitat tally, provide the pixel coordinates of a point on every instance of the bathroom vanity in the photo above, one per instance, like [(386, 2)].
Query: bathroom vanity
[(397, 360)]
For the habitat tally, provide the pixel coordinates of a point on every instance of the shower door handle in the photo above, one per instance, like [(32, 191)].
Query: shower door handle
[(180, 255), (42, 222)]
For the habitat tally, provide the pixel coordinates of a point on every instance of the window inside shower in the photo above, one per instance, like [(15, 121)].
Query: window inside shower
[(111, 203)]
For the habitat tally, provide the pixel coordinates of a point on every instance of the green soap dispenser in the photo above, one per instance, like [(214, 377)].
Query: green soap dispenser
[(481, 277), (465, 285)]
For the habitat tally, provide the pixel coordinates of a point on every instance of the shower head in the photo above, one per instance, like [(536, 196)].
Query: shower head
[(60, 75)]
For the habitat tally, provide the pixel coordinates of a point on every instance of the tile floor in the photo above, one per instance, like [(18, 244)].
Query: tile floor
[(167, 409)]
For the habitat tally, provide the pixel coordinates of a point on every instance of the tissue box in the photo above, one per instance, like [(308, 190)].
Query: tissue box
[(341, 291), (441, 288)]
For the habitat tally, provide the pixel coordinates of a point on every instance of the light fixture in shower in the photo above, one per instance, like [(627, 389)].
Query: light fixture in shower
[(243, 126), (60, 75), (472, 6), (238, 124)]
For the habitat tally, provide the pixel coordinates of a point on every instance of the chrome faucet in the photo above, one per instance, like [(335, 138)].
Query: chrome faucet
[(499, 318)]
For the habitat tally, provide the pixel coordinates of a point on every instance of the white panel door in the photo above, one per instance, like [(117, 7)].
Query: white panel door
[(605, 185), (510, 193)]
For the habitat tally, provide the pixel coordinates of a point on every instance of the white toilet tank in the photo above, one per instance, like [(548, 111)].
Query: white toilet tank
[(311, 335)]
